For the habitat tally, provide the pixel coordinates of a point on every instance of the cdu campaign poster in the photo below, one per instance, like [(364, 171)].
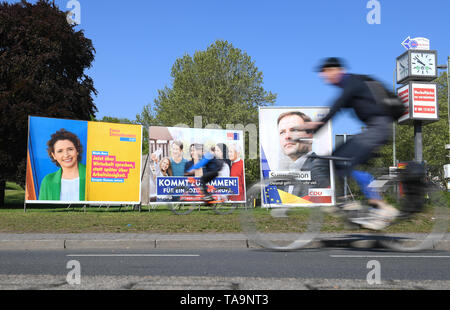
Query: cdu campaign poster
[(70, 161), (174, 150), (311, 181)]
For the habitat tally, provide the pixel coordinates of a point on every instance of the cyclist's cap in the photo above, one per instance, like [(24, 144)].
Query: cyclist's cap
[(331, 62)]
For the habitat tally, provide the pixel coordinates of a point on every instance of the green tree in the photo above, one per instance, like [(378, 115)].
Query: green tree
[(221, 84), (112, 119), (42, 64)]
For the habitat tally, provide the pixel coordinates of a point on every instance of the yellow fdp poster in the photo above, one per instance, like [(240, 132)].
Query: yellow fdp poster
[(114, 162)]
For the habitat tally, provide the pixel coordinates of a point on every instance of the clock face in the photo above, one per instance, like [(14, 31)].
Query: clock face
[(402, 67), (423, 64)]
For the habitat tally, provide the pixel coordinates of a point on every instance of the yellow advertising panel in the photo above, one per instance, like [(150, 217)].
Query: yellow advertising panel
[(114, 162)]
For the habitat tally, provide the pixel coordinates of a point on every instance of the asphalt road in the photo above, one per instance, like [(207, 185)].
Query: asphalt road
[(224, 269)]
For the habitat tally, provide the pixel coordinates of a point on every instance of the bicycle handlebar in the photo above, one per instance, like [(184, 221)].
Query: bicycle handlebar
[(329, 157)]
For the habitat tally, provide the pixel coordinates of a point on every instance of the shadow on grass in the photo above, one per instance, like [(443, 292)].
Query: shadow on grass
[(79, 208)]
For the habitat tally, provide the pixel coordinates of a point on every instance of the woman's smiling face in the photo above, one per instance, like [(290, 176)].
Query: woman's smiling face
[(165, 164), (65, 153)]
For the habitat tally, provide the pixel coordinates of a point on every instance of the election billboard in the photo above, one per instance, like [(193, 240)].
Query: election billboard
[(174, 150), (71, 161), (284, 151)]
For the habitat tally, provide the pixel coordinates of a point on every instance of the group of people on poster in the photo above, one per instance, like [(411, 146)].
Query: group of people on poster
[(178, 165)]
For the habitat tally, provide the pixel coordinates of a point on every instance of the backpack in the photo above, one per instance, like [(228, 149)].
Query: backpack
[(388, 99)]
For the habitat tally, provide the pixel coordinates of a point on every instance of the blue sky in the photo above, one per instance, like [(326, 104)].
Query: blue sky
[(138, 41)]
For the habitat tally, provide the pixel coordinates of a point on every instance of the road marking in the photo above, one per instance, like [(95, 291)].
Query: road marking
[(133, 255), (388, 256)]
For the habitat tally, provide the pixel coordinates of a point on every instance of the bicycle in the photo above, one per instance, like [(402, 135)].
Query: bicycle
[(191, 198), (297, 227)]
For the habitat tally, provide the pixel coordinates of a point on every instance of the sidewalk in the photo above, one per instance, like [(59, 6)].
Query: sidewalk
[(178, 241)]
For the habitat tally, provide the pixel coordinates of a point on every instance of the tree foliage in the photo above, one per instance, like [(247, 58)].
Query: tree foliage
[(221, 84), (42, 64), (117, 120)]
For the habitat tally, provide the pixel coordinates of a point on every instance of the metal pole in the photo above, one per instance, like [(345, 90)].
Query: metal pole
[(448, 92), (345, 178), (418, 147), (394, 155), (448, 106)]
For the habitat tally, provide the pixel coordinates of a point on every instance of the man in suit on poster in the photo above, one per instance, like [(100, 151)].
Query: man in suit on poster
[(296, 145)]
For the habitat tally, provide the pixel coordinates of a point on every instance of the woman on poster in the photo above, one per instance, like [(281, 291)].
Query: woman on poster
[(69, 181)]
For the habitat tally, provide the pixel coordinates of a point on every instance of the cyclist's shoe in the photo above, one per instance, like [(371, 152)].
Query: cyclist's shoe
[(381, 205), (352, 206), (378, 219), (346, 207)]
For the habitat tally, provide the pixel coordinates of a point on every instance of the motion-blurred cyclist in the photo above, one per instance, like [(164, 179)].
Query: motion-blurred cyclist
[(378, 119), (212, 167)]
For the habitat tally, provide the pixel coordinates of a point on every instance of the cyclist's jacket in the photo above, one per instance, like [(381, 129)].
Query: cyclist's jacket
[(209, 162), (356, 95)]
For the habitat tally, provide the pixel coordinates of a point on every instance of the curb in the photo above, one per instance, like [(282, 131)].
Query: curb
[(70, 242)]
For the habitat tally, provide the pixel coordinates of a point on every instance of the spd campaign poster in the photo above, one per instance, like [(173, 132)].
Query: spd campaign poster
[(285, 148), (70, 161), (174, 150)]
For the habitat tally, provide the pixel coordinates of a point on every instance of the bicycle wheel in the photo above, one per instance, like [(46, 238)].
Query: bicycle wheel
[(429, 222), (223, 207), (278, 227), (182, 206)]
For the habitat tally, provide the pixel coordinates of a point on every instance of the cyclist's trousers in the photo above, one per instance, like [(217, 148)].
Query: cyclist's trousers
[(208, 177), (361, 148)]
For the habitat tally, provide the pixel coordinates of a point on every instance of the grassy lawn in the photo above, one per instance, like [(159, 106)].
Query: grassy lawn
[(14, 194), (39, 219)]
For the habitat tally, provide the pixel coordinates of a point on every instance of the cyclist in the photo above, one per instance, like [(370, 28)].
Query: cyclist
[(211, 167), (357, 95)]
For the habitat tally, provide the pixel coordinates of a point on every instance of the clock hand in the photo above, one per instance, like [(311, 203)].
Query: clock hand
[(418, 60), (421, 63)]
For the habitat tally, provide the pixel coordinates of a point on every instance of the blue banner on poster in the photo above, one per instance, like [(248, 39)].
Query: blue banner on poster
[(173, 186)]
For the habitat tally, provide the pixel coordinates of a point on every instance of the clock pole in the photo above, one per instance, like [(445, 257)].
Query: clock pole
[(447, 147), (421, 69), (394, 155), (418, 145)]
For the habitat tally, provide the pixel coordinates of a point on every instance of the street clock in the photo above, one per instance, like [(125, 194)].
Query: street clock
[(416, 65)]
